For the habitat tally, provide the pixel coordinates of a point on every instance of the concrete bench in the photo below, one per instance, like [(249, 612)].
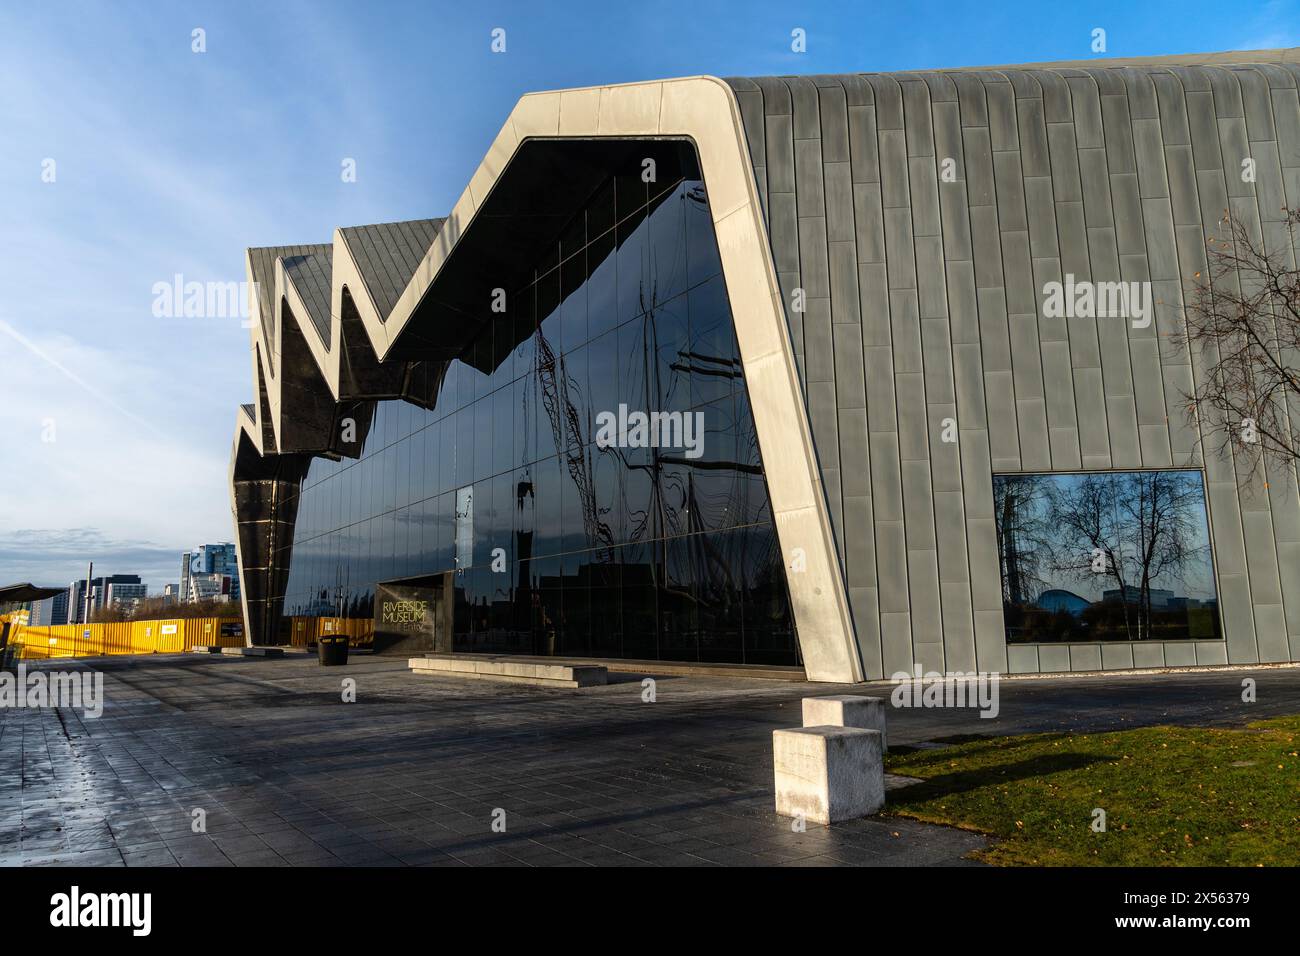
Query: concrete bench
[(253, 651), (511, 671), (846, 710), (828, 774)]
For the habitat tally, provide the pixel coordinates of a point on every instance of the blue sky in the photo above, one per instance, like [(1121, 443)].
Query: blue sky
[(168, 161)]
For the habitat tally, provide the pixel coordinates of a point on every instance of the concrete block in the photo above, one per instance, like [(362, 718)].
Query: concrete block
[(847, 710), (828, 774), (511, 671)]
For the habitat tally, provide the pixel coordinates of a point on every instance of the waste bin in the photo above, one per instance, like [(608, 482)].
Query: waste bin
[(332, 650)]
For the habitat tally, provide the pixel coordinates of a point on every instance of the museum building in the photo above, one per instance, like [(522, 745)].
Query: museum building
[(775, 371)]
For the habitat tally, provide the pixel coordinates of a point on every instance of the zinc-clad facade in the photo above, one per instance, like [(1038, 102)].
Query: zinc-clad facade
[(923, 304), (916, 218)]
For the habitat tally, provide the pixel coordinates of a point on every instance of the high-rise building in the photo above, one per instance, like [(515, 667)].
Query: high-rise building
[(212, 586), (124, 594), (101, 592), (209, 559)]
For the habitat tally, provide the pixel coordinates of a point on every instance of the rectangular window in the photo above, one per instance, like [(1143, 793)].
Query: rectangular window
[(1105, 556)]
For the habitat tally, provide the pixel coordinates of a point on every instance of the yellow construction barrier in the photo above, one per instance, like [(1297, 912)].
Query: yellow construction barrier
[(304, 631), (129, 637)]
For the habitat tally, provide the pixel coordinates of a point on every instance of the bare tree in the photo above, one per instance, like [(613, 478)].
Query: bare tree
[(1019, 514), (1134, 528), (1243, 322)]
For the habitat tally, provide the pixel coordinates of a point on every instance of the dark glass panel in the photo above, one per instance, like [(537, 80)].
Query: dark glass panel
[(444, 521), (629, 191), (675, 490), (666, 252), (678, 617), (406, 542), (502, 430), (547, 596), (714, 356), (573, 306), (635, 356), (387, 544), (549, 315), (521, 442), (640, 500), (602, 287), (402, 469), (483, 522), (500, 539), (607, 488), (768, 627), (445, 454), (386, 466), (672, 368), (547, 498), (602, 364), (503, 341), (718, 483), (403, 420), (573, 396), (542, 413), (640, 576), (600, 214), (575, 496), (463, 422), (719, 596), (573, 238), (605, 578), (633, 287), (703, 261), (576, 636), (484, 438)]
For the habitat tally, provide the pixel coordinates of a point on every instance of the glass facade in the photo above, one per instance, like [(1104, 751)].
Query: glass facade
[(560, 540), (1105, 556)]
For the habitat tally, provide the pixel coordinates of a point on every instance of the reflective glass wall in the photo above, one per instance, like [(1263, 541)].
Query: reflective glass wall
[(562, 543), (1105, 556)]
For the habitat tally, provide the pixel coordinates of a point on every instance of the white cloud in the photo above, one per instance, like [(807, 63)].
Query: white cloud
[(77, 457)]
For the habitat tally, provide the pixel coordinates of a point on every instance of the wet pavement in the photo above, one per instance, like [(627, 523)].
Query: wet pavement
[(281, 771)]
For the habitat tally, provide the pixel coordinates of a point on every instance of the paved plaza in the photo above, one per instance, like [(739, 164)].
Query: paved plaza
[(417, 769)]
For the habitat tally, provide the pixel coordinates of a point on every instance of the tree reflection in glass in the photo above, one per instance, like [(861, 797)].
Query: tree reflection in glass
[(1105, 556)]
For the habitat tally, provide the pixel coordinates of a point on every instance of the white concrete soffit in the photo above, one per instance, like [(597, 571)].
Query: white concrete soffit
[(703, 109)]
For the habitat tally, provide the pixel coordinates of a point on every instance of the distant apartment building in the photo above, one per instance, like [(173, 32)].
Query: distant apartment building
[(103, 591), (172, 594), (124, 595), (51, 611), (210, 587), (204, 561)]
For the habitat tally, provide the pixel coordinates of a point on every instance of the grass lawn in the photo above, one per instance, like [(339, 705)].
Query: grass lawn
[(1175, 796)]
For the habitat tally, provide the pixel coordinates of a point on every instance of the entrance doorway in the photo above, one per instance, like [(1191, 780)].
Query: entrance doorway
[(413, 616)]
